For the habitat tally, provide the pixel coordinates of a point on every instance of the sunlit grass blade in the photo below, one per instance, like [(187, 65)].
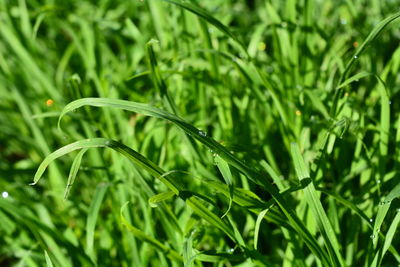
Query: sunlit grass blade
[(317, 209), (93, 214), (211, 144), (49, 263), (370, 38), (383, 210), (204, 14), (156, 199), (260, 217), (227, 175), (74, 171), (170, 253)]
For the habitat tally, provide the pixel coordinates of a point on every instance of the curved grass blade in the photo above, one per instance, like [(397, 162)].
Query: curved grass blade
[(154, 200), (227, 175), (146, 164), (383, 209), (390, 234), (49, 263), (73, 171), (257, 227), (371, 37), (353, 78), (204, 14), (316, 207), (202, 137)]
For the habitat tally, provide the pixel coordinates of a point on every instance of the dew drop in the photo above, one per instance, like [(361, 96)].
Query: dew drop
[(230, 250), (371, 220), (4, 194), (390, 102), (107, 143), (202, 133), (355, 57), (372, 236), (343, 21), (378, 182), (398, 210)]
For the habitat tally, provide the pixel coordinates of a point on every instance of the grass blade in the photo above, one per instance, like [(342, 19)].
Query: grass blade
[(317, 209)]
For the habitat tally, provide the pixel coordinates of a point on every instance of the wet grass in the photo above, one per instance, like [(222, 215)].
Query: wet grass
[(220, 133)]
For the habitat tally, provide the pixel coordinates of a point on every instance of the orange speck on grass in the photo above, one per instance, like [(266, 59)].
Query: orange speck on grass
[(355, 44), (298, 113), (49, 102)]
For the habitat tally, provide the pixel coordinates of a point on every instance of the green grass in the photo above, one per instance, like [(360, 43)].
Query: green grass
[(199, 133)]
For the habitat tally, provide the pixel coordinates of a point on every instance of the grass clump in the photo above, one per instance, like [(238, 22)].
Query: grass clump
[(220, 133)]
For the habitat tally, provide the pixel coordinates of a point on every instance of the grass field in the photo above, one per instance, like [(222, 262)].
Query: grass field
[(199, 133)]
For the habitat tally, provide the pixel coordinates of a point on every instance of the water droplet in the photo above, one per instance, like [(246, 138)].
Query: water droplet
[(390, 102), (372, 236), (202, 133), (398, 210), (377, 231), (230, 250), (4, 194), (355, 57), (343, 21), (371, 220), (107, 143), (356, 80), (378, 182)]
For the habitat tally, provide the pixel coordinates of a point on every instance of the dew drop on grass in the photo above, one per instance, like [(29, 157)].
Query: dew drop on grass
[(4, 194), (355, 57), (390, 102), (398, 210), (378, 182), (343, 21), (230, 250), (202, 133), (107, 143), (371, 220), (372, 236)]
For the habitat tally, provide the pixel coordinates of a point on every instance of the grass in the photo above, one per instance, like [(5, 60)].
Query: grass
[(180, 133)]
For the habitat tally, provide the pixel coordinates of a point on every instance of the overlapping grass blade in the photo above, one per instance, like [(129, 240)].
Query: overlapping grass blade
[(49, 263), (370, 38), (317, 209), (74, 171), (211, 144), (204, 14), (93, 214), (383, 210), (170, 253)]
